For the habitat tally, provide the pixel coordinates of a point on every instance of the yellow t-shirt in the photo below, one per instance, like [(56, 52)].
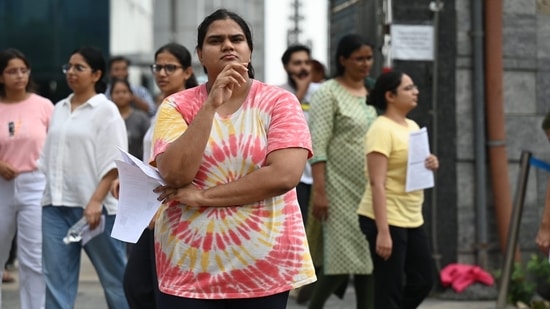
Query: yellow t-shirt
[(404, 209)]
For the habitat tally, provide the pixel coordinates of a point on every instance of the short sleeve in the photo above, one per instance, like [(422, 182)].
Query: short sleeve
[(168, 127), (111, 137), (378, 139), (48, 112), (288, 127)]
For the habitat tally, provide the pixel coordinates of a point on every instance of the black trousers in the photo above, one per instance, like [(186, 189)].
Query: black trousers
[(276, 301), (13, 250), (406, 278), (140, 277), (303, 192)]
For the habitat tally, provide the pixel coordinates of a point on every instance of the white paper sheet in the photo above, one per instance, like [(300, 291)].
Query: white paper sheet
[(418, 176), (137, 203), (88, 234)]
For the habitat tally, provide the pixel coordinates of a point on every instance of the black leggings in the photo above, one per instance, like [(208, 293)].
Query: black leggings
[(276, 301), (329, 284), (406, 278), (303, 192), (140, 277)]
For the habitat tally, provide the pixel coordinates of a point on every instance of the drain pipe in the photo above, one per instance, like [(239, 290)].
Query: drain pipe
[(498, 160), (435, 6), (478, 86)]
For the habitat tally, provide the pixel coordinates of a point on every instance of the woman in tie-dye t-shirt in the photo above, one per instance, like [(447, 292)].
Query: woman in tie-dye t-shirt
[(230, 233)]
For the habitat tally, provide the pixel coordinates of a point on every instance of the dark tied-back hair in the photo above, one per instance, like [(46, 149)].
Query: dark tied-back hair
[(5, 56), (346, 46), (388, 81), (184, 58), (222, 14), (94, 58)]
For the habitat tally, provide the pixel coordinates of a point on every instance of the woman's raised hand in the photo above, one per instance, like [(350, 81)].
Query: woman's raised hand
[(230, 78)]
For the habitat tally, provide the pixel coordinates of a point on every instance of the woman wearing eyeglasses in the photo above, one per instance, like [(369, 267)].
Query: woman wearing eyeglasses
[(24, 121), (389, 216), (173, 73), (78, 160)]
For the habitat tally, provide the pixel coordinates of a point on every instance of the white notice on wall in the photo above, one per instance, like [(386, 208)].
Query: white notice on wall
[(412, 42)]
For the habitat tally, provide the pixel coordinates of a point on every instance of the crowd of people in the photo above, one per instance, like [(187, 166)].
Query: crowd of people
[(271, 190)]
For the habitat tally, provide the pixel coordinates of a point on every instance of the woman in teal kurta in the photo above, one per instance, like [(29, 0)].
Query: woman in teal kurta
[(339, 120)]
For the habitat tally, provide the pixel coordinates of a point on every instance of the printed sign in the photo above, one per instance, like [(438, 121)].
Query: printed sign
[(412, 42)]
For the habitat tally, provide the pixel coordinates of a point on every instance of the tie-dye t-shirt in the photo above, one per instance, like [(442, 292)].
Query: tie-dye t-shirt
[(242, 251)]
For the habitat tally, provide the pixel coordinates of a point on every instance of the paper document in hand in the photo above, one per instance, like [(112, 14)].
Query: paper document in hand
[(418, 175), (88, 234), (137, 203), (145, 168)]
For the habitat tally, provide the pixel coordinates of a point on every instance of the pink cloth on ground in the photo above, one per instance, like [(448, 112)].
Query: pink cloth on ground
[(461, 276)]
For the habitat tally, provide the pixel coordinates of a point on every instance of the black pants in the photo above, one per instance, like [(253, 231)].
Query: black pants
[(13, 250), (329, 284), (276, 301), (140, 277), (406, 278), (303, 192)]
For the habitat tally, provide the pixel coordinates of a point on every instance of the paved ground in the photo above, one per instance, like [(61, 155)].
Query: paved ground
[(90, 296)]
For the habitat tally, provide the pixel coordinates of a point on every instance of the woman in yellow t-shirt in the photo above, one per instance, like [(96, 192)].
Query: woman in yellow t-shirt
[(390, 217)]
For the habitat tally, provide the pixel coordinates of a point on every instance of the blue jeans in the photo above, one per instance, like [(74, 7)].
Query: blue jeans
[(61, 263)]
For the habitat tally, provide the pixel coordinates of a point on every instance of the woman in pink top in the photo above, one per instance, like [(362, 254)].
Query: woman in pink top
[(24, 121), (230, 232)]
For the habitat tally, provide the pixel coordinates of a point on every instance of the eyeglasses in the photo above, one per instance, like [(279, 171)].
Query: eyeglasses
[(77, 67), (168, 68), (16, 71)]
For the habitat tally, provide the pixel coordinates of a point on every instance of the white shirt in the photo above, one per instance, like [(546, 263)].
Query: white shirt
[(80, 150), (306, 178)]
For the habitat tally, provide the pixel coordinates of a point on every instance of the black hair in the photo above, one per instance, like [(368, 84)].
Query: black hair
[(546, 122), (5, 56), (222, 14), (346, 46), (318, 66), (388, 81), (293, 49), (184, 58), (114, 59), (94, 58), (120, 80)]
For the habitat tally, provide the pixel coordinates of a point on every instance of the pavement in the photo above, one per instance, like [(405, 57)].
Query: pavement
[(90, 296)]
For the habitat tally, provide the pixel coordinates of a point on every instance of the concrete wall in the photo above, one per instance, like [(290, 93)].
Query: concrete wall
[(131, 35), (131, 27), (526, 80), (451, 213)]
